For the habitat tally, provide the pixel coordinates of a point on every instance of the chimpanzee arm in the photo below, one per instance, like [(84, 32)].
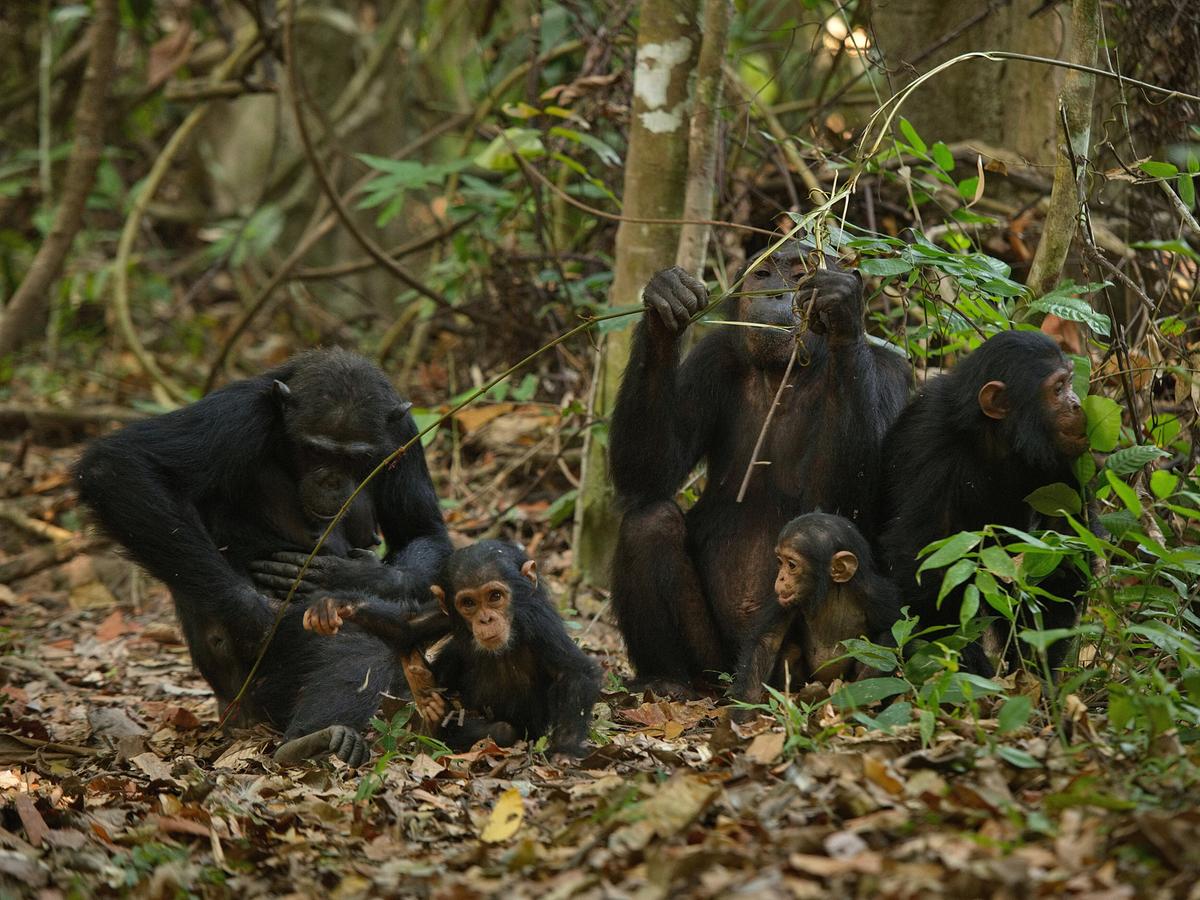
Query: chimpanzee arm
[(401, 629), (146, 483), (573, 682), (665, 414), (411, 520)]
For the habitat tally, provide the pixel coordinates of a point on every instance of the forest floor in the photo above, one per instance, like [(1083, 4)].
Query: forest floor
[(115, 779)]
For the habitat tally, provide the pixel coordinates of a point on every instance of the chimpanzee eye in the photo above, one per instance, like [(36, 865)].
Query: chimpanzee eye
[(496, 596), (763, 273), (468, 603), (792, 564)]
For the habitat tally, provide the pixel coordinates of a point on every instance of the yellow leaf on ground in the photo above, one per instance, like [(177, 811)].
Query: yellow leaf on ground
[(505, 819), (766, 747)]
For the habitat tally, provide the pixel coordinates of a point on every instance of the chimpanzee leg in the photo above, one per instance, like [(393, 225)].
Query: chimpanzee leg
[(669, 631), (339, 682)]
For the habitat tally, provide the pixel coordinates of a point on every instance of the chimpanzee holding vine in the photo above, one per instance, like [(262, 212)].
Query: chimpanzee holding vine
[(966, 452), (223, 500), (685, 586)]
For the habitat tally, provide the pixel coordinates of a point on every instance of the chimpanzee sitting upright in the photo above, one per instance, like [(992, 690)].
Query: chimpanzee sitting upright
[(827, 590), (966, 452), (685, 587), (205, 496), (509, 658)]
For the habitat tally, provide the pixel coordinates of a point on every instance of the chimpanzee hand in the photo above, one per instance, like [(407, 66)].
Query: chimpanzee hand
[(672, 297), (432, 707), (325, 615), (361, 571), (837, 310)]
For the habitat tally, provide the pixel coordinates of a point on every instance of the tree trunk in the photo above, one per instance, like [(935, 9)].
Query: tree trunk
[(28, 307), (655, 182), (1008, 104)]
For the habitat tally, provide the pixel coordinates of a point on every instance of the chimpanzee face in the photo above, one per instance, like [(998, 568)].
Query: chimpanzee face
[(1064, 415), (794, 581), (487, 605), (770, 289)]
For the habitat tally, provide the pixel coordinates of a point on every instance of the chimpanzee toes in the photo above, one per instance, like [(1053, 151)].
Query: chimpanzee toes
[(343, 742), (352, 749), (663, 687)]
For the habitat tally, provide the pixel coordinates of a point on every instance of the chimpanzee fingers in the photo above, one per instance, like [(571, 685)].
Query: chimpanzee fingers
[(683, 305), (340, 740), (351, 748), (280, 584), (695, 287)]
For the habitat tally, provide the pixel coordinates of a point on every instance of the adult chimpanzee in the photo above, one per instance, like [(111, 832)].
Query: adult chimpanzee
[(210, 496), (509, 658), (827, 590), (966, 452), (685, 587)]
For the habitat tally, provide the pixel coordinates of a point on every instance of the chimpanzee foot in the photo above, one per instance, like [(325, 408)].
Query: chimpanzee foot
[(343, 742)]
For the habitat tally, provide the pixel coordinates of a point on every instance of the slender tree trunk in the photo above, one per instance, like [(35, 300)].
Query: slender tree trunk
[(1070, 184), (702, 137), (28, 307), (655, 182)]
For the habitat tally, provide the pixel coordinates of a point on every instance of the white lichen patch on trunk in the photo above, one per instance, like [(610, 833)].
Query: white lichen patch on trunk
[(656, 64)]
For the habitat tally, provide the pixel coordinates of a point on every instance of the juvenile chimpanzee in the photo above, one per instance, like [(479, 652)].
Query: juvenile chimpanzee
[(966, 452), (827, 590), (509, 658), (686, 586), (212, 496)]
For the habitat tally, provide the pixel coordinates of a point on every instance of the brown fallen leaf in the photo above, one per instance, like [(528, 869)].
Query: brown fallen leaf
[(766, 747), (177, 825), (35, 826), (114, 626)]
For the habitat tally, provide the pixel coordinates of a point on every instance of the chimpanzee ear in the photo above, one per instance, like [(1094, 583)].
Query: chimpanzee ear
[(529, 570), (283, 393), (993, 400), (843, 566), (440, 596), (396, 416)]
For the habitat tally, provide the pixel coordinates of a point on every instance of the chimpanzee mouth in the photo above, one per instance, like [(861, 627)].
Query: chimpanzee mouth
[(786, 599)]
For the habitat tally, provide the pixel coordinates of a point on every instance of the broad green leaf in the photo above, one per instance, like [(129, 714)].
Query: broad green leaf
[(1163, 483), (1127, 494), (1014, 713), (867, 691), (951, 549), (498, 155), (1128, 460), (1156, 169), (757, 73), (943, 157), (959, 572), (899, 713), (970, 601), (998, 562), (1075, 309), (1175, 246), (1104, 422), (871, 655), (885, 266), (1055, 499)]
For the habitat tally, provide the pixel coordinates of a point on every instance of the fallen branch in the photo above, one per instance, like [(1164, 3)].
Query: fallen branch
[(12, 514), (40, 558)]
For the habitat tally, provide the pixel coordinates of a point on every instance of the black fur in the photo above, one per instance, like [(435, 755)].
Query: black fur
[(685, 586), (541, 683), (198, 495), (950, 468)]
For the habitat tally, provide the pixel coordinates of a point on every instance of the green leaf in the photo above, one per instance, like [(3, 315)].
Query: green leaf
[(950, 549), (1163, 483), (867, 691), (1128, 460), (1018, 758), (757, 73), (1104, 422), (498, 155), (1157, 169), (871, 655), (910, 135), (561, 509), (1175, 246), (970, 602), (998, 562), (899, 713), (1074, 309), (927, 724), (1044, 639), (1127, 495), (943, 157), (956, 575), (1055, 499), (885, 266), (1014, 713), (1187, 190)]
